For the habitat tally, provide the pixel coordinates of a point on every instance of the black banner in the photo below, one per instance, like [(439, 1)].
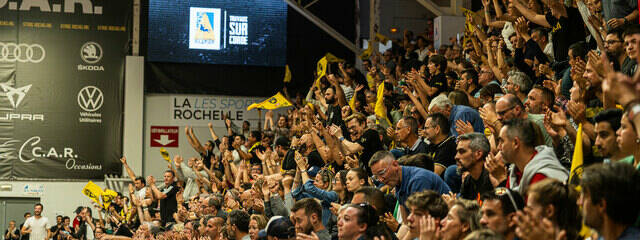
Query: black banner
[(61, 80)]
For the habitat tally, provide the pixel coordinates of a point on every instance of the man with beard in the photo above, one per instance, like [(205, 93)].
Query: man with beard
[(441, 148), (609, 200), (532, 162), (364, 142), (510, 107), (333, 114), (607, 123), (539, 100), (307, 215), (36, 226), (471, 151), (519, 85), (614, 47)]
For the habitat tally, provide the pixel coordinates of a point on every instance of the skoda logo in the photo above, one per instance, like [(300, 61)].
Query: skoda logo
[(90, 98), (91, 52), (24, 53)]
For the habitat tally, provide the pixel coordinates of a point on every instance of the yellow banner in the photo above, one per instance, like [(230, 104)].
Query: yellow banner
[(107, 197), (287, 74), (92, 191), (165, 155), (277, 101)]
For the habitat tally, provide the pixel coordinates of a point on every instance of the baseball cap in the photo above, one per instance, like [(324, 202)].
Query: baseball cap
[(280, 227)]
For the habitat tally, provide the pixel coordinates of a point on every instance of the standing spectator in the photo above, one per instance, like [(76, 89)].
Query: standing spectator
[(618, 13), (308, 219), (37, 226), (55, 230), (23, 236), (565, 22), (12, 232), (609, 200), (167, 195)]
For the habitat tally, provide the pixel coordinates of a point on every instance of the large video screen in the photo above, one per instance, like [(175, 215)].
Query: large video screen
[(247, 32)]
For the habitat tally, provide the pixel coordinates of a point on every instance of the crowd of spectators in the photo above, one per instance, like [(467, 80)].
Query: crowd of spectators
[(473, 140)]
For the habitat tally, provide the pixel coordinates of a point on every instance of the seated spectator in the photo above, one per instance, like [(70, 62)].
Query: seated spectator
[(422, 205), (608, 197), (471, 151), (441, 148), (531, 162), (443, 105), (498, 210)]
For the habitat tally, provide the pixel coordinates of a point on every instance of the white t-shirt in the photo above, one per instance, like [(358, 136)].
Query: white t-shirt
[(141, 193), (38, 227)]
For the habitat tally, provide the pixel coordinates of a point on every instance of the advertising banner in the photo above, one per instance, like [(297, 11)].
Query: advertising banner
[(61, 78), (167, 115)]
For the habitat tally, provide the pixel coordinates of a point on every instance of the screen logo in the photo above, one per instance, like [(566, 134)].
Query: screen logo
[(90, 98), (24, 53), (204, 28)]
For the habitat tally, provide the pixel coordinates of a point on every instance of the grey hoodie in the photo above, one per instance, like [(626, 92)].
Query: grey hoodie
[(545, 162)]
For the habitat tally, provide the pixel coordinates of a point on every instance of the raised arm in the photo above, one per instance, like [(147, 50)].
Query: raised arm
[(531, 15), (132, 175)]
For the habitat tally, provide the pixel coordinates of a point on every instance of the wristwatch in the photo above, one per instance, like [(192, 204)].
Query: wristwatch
[(341, 139)]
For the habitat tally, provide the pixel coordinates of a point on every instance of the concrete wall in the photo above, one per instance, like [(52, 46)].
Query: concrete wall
[(400, 14), (58, 198)]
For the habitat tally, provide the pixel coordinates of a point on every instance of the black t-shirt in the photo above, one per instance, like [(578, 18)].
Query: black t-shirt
[(314, 159), (443, 153), (15, 231), (471, 188), (254, 157), (370, 141), (169, 205), (565, 31), (24, 236), (422, 147), (440, 82)]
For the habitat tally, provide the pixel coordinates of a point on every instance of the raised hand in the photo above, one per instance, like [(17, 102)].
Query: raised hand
[(178, 160), (123, 160), (488, 115), (577, 111), (449, 198)]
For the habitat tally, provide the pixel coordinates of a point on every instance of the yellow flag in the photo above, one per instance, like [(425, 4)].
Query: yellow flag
[(380, 109), (321, 70), (92, 191), (366, 53), (107, 197), (165, 155), (332, 58), (277, 101), (576, 162), (287, 74), (382, 38), (576, 172)]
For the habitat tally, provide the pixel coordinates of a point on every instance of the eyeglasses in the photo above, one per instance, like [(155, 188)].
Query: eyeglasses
[(611, 42), (501, 191), (501, 113), (381, 175)]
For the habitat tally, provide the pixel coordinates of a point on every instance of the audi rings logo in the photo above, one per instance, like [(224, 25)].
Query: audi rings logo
[(90, 98), (22, 52), (91, 52)]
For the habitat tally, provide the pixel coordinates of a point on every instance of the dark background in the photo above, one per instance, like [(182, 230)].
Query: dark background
[(306, 44), (168, 32)]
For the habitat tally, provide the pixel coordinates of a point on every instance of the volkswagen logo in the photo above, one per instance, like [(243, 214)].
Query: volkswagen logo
[(90, 98), (24, 53), (91, 52)]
